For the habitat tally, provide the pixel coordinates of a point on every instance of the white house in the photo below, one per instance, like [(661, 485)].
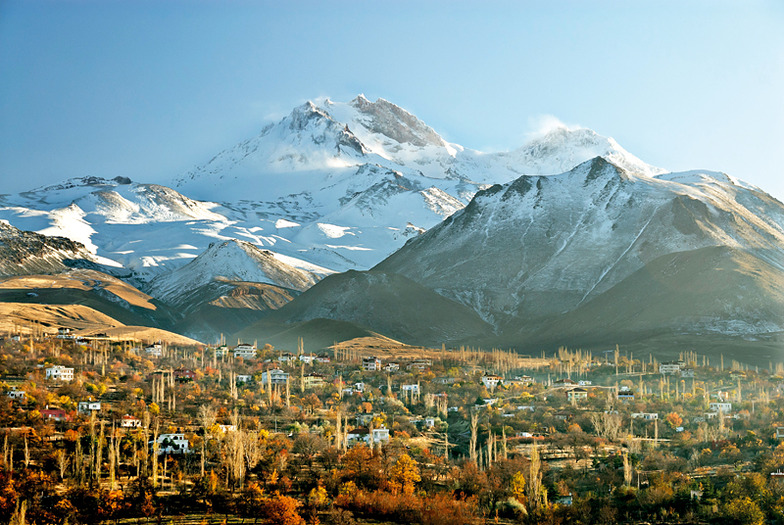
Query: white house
[(64, 333), (243, 378), (362, 434), (60, 373), (155, 350), (673, 367), (576, 394), (17, 395), (308, 359), (371, 364), (647, 416), (275, 376), (314, 380), (380, 435), (245, 351), (413, 388), (85, 407), (173, 444), (491, 380), (720, 407), (420, 364), (392, 367), (129, 421)]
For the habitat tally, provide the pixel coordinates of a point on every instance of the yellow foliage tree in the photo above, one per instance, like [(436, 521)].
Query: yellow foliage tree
[(404, 475), (518, 487)]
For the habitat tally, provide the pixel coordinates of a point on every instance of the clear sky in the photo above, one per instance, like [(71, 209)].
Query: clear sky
[(149, 89)]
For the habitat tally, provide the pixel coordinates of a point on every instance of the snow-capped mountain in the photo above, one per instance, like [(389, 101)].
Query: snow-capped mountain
[(332, 186), (546, 244), (232, 260), (27, 253), (506, 241), (587, 255)]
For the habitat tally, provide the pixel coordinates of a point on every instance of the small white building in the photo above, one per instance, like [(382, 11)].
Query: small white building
[(222, 351), (243, 378), (647, 416), (314, 380), (60, 373), (64, 333), (363, 434), (245, 351), (154, 350), (308, 359), (173, 444), (576, 394), (276, 376), (129, 421), (491, 380), (380, 435), (420, 364), (287, 357), (17, 395), (85, 407), (720, 407), (392, 367), (673, 367), (371, 364), (413, 388)]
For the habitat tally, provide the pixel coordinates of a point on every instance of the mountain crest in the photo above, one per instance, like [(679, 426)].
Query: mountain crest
[(395, 123), (561, 148)]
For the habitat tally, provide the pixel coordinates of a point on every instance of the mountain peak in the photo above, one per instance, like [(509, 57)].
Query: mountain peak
[(559, 148), (308, 113), (395, 123)]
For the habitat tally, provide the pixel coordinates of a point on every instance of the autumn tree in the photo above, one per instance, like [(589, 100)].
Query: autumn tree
[(674, 420), (281, 510), (362, 467), (404, 475), (517, 486)]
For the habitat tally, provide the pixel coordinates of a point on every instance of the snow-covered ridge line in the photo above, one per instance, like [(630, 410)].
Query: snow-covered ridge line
[(332, 186)]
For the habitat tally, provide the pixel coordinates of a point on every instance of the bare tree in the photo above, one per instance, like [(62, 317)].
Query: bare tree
[(207, 420), (627, 469), (535, 479), (62, 462), (606, 424), (474, 428)]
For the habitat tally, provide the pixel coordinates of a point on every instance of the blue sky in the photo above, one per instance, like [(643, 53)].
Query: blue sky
[(147, 90)]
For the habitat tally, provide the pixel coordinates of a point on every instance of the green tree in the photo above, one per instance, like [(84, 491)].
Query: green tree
[(742, 511)]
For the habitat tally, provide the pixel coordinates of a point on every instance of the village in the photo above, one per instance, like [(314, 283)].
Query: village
[(96, 429)]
